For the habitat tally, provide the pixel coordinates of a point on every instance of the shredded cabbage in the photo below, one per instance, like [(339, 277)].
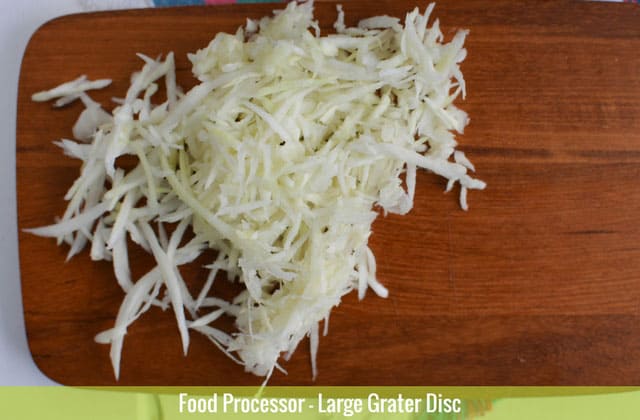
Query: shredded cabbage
[(277, 160)]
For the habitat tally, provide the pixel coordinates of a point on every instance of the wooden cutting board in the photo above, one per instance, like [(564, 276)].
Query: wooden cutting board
[(538, 284)]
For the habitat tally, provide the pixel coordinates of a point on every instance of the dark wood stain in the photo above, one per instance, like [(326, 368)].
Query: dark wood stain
[(538, 284)]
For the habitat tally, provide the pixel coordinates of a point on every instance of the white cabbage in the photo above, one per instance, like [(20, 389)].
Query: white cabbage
[(277, 160)]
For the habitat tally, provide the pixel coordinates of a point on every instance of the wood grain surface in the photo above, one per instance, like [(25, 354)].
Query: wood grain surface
[(538, 284)]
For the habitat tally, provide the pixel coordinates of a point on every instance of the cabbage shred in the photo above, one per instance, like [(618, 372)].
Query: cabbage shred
[(277, 160)]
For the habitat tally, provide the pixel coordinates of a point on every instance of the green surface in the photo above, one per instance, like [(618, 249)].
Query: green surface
[(63, 403)]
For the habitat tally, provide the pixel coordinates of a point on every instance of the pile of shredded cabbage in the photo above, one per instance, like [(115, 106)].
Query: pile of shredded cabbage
[(276, 160)]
